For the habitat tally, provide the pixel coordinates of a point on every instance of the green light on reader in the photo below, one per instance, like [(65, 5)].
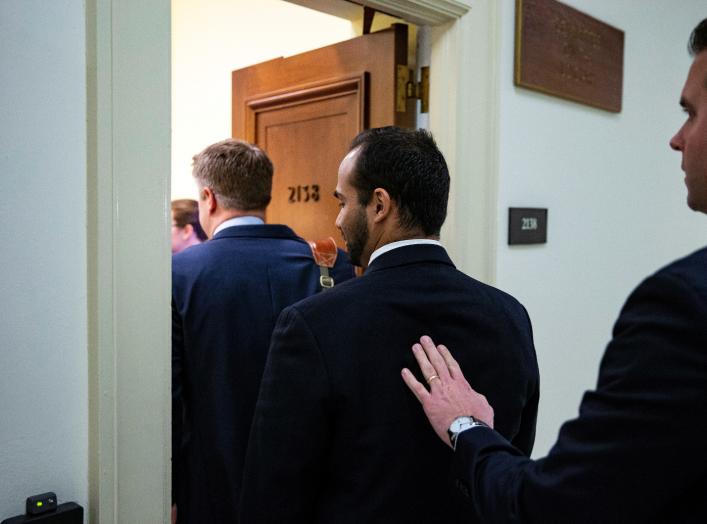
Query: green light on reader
[(40, 503)]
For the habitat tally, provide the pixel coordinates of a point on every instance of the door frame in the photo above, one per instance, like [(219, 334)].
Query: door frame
[(128, 146), (128, 259)]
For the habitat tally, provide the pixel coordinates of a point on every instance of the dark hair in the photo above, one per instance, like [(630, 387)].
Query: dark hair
[(698, 38), (410, 167), (186, 211), (238, 172)]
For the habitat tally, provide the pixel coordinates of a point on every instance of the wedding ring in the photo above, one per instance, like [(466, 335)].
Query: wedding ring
[(431, 378)]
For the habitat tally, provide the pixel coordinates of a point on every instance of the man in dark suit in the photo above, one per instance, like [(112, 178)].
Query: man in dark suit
[(636, 453), (226, 296), (336, 437)]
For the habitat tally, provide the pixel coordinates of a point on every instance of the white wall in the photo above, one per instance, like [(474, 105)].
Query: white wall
[(43, 326), (211, 38), (614, 191)]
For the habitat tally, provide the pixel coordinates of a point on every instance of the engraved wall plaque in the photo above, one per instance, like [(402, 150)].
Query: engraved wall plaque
[(563, 52)]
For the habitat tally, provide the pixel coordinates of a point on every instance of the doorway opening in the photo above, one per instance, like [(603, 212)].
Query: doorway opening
[(211, 38)]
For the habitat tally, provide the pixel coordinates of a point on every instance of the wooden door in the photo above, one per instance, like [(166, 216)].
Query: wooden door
[(304, 111)]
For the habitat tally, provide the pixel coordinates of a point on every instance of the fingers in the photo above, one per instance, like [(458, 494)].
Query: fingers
[(417, 389), (450, 394), (427, 369), (439, 364), (453, 366)]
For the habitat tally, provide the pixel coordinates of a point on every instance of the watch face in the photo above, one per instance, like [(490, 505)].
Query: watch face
[(459, 423)]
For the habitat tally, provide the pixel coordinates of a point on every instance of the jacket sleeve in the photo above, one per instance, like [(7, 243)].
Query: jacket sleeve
[(636, 447), (525, 438), (288, 441)]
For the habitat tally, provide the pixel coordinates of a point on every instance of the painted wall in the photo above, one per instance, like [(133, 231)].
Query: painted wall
[(614, 191), (43, 326), (211, 38)]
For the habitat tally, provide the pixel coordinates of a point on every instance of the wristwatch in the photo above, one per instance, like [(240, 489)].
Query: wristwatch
[(460, 424)]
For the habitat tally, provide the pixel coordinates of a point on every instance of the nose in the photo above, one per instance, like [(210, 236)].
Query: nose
[(676, 142)]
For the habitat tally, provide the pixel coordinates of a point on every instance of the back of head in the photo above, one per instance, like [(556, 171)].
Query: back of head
[(410, 167), (186, 212), (698, 39), (239, 173)]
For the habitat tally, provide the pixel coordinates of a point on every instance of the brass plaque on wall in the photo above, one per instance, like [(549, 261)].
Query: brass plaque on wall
[(563, 52)]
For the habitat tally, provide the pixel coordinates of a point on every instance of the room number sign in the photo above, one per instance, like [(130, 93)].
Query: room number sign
[(300, 194)]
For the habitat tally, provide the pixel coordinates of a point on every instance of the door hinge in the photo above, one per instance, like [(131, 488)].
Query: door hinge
[(407, 88)]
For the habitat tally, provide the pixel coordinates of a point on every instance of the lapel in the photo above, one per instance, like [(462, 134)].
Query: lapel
[(406, 255), (257, 231)]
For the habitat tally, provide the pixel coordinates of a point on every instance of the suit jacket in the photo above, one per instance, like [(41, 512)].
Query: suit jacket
[(337, 436), (226, 296), (636, 453)]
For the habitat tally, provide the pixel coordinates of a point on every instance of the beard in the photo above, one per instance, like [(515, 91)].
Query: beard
[(357, 237)]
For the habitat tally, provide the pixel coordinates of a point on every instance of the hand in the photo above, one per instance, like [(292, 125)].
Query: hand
[(174, 514), (450, 395)]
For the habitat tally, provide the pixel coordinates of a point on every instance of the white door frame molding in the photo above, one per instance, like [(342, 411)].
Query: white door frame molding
[(463, 119), (129, 100), (422, 12)]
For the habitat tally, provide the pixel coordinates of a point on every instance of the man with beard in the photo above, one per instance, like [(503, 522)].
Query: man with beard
[(336, 436)]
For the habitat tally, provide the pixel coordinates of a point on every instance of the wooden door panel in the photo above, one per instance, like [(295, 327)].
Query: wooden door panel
[(303, 185), (304, 111)]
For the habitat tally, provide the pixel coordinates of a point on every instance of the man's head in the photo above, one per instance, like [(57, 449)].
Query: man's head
[(186, 230), (392, 185), (691, 139), (234, 178)]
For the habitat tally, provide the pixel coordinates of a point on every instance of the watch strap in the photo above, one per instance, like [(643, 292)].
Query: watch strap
[(472, 423)]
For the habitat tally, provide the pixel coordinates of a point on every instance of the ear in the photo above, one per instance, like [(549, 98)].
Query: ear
[(382, 205), (208, 196), (187, 231)]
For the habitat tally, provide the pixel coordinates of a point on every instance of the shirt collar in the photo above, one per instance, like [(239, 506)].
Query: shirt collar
[(239, 221), (401, 243)]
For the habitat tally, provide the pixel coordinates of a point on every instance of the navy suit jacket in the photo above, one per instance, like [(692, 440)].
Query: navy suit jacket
[(337, 436), (636, 453), (226, 296)]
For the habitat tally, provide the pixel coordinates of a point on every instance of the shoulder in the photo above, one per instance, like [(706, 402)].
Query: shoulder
[(692, 269), (494, 300), (659, 337), (685, 280), (667, 313), (200, 254), (495, 294), (191, 255), (252, 239)]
